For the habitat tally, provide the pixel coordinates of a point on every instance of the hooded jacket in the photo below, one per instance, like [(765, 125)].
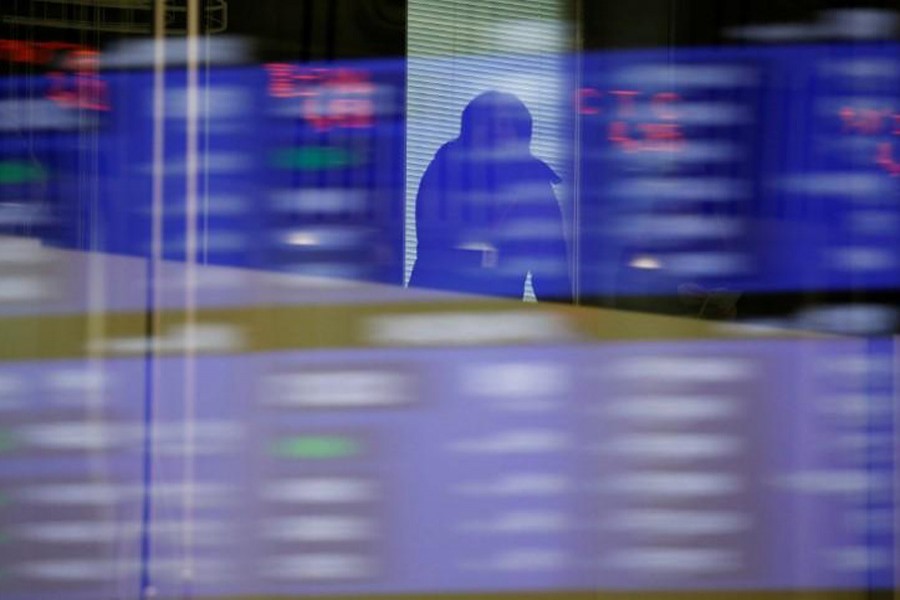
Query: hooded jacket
[(486, 213)]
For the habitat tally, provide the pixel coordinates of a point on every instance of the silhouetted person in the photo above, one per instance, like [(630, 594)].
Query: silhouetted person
[(486, 214)]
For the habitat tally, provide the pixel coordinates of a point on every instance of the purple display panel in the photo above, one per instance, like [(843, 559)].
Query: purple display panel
[(675, 438), (71, 478), (684, 465), (450, 470)]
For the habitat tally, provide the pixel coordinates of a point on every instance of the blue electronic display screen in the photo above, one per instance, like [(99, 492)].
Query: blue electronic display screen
[(295, 168), (751, 169)]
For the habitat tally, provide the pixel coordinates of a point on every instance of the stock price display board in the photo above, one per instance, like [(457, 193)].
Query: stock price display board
[(278, 166), (752, 169)]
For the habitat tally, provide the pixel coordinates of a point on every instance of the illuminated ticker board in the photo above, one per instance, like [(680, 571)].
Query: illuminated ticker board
[(751, 169), (296, 168), (335, 168)]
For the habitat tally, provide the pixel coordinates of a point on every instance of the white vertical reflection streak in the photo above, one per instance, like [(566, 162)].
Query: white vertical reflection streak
[(193, 32), (153, 292), (99, 467)]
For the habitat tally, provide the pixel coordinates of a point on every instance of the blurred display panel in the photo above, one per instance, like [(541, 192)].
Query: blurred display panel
[(334, 178), (39, 162), (746, 170), (298, 168), (751, 170), (226, 220)]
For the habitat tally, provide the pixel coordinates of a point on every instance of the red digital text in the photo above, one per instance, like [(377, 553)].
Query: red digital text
[(883, 123), (657, 130), (327, 98)]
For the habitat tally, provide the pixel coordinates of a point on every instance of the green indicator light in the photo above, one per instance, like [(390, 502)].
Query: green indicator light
[(4, 501), (316, 447), (6, 441), (314, 158), (12, 172), (4, 537)]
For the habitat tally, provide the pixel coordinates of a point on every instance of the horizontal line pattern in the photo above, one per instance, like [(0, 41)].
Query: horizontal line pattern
[(458, 49)]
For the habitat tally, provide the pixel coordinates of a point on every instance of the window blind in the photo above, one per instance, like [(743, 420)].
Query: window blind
[(458, 49)]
